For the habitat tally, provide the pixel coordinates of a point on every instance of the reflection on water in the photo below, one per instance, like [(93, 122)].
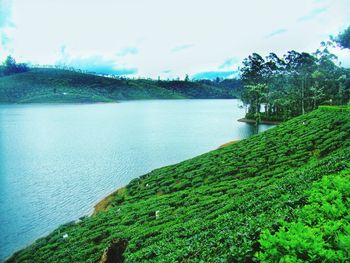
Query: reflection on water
[(57, 161), (255, 129)]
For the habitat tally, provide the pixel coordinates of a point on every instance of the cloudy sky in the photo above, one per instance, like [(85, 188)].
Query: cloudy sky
[(166, 38)]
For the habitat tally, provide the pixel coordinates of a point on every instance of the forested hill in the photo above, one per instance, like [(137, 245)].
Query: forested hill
[(280, 195), (57, 85)]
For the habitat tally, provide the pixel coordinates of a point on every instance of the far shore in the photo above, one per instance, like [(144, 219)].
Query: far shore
[(60, 103), (261, 122)]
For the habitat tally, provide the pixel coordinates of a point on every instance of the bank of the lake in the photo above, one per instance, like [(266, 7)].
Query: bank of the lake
[(106, 202), (228, 143), (226, 204), (251, 121), (59, 160)]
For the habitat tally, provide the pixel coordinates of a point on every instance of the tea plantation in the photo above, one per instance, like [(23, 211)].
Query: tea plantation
[(283, 193)]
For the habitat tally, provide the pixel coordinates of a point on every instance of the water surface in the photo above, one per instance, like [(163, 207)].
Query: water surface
[(57, 161)]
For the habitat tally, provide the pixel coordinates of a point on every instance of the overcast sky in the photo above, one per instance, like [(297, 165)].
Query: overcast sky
[(167, 38)]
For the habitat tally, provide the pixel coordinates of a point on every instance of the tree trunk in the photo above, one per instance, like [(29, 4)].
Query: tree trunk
[(302, 96)]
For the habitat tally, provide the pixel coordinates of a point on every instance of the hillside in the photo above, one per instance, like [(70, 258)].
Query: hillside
[(57, 85), (224, 205)]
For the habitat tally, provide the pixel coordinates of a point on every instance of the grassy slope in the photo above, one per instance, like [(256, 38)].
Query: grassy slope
[(212, 207), (48, 85)]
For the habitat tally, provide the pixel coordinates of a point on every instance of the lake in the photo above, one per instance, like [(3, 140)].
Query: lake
[(57, 161)]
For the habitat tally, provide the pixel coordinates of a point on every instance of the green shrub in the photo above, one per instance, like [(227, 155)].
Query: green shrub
[(320, 231)]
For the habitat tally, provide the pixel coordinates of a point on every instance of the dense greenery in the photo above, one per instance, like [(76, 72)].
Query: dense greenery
[(10, 67), (320, 230), (58, 85), (218, 207), (343, 39), (296, 83)]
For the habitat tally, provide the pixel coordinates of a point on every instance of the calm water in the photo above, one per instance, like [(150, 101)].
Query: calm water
[(57, 161)]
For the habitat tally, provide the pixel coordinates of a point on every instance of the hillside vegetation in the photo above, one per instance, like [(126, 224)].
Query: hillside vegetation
[(242, 202), (58, 85)]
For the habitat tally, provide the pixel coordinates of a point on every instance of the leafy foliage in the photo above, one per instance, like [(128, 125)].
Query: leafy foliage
[(295, 83), (343, 39), (211, 208), (10, 67), (321, 229)]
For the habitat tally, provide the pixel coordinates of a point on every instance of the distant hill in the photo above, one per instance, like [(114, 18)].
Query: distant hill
[(56, 85), (227, 205)]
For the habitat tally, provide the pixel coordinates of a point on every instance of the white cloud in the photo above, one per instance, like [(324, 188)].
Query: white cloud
[(182, 47), (140, 34), (277, 32)]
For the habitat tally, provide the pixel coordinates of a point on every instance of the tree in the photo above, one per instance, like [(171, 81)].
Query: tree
[(294, 84), (255, 95), (252, 70), (10, 62), (252, 75), (300, 66), (343, 39), (273, 78), (317, 92), (11, 67)]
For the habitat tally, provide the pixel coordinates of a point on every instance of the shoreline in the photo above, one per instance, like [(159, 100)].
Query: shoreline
[(105, 202), (251, 121), (228, 143), (112, 101)]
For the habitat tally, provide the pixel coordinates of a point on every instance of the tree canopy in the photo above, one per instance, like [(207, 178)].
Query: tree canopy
[(293, 84), (10, 67), (343, 39)]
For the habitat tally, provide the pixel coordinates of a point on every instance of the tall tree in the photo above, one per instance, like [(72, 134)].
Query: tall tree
[(252, 70), (187, 79), (11, 67), (252, 75), (300, 66), (343, 39)]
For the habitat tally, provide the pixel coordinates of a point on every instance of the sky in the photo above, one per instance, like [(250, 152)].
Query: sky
[(165, 38)]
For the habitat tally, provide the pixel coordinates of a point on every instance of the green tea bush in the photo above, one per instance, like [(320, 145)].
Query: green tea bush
[(320, 231)]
